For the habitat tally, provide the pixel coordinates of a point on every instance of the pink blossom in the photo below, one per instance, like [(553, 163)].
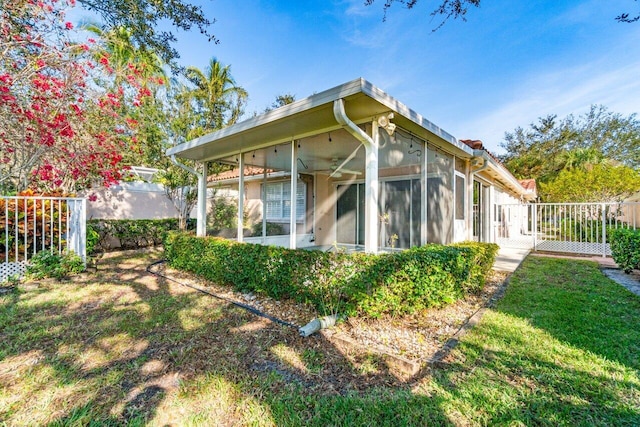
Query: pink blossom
[(68, 25)]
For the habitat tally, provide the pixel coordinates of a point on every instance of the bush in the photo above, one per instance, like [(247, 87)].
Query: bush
[(131, 233), (49, 264), (625, 248), (365, 284), (223, 213), (272, 229)]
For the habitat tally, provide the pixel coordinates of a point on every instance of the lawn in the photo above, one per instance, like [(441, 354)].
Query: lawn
[(123, 347)]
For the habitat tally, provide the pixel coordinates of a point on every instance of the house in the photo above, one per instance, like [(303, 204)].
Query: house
[(355, 167)]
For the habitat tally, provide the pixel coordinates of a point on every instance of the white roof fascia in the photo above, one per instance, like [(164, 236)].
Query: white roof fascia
[(353, 87), (302, 105)]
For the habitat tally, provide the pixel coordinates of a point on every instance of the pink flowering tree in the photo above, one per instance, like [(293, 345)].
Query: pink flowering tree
[(59, 130)]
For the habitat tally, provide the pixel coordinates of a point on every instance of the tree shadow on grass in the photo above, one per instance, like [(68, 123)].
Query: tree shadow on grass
[(135, 348), (140, 350)]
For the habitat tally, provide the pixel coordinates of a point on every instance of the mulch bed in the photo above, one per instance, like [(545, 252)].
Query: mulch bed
[(357, 353)]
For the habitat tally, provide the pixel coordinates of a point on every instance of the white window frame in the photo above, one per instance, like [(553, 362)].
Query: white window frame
[(282, 200), (455, 196)]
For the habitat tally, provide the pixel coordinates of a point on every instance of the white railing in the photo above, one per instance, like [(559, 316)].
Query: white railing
[(29, 225), (581, 228)]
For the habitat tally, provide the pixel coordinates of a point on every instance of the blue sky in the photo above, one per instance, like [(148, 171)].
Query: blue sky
[(510, 63)]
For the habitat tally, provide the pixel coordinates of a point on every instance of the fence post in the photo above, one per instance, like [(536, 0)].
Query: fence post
[(534, 226), (604, 230)]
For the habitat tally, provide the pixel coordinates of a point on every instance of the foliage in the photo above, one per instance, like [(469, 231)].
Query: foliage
[(365, 284), (281, 101), (272, 229), (625, 248), (58, 130), (180, 187), (50, 264), (598, 143), (599, 183), (446, 9), (223, 213), (561, 348), (131, 233), (217, 99), (33, 224), (142, 18), (458, 9), (546, 147)]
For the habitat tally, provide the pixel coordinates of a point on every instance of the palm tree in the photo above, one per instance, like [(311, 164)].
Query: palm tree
[(584, 158), (219, 99), (124, 57)]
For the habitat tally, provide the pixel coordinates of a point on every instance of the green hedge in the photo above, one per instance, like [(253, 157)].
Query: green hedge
[(625, 248), (131, 233), (356, 283)]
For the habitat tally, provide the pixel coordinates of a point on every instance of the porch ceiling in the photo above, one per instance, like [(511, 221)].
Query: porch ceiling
[(313, 116)]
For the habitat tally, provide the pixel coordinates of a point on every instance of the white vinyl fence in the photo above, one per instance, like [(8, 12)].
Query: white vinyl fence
[(32, 224), (580, 228)]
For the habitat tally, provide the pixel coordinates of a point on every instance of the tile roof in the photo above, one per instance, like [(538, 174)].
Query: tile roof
[(235, 174), (529, 185)]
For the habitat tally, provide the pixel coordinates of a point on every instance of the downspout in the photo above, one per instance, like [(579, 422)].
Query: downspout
[(201, 229), (371, 174)]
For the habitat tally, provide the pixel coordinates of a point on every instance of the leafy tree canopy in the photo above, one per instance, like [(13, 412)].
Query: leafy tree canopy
[(545, 148), (280, 101), (600, 183), (141, 18), (588, 149)]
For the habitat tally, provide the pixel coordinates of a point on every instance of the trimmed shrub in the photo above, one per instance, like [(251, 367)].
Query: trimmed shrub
[(371, 285), (625, 248), (130, 233)]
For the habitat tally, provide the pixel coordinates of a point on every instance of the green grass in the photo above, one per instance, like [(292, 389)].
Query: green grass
[(121, 347)]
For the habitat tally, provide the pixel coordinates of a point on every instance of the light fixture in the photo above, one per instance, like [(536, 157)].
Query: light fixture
[(329, 136), (385, 123)]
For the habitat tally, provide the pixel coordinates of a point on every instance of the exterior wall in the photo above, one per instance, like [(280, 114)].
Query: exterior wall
[(325, 210), (131, 201)]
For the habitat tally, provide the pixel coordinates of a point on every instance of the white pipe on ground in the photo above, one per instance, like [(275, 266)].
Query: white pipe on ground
[(317, 324)]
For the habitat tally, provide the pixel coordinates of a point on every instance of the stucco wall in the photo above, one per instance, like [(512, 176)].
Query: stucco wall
[(131, 201)]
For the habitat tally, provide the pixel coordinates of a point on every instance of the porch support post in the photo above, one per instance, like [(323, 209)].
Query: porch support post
[(293, 195), (201, 214), (264, 202), (371, 184), (371, 192), (240, 197)]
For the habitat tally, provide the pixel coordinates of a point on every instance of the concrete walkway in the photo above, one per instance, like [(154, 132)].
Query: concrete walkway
[(508, 259)]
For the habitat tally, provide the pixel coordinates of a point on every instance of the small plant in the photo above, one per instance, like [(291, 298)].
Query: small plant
[(12, 280), (48, 264)]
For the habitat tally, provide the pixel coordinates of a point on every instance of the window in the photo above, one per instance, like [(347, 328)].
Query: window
[(278, 201), (460, 196)]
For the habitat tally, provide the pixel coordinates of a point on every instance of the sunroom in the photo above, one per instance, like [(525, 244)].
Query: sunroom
[(349, 167)]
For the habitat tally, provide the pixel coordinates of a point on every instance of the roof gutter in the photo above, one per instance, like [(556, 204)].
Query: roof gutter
[(201, 229)]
